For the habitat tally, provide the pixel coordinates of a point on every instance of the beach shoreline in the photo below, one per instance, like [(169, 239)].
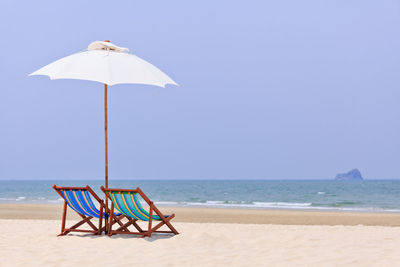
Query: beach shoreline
[(222, 215)]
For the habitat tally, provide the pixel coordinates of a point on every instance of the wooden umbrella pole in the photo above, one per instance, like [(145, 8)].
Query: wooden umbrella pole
[(106, 150), (106, 153), (105, 135)]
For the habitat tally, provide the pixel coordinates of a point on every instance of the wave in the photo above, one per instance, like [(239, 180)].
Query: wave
[(25, 199), (166, 203), (282, 204), (238, 204), (7, 199), (55, 200)]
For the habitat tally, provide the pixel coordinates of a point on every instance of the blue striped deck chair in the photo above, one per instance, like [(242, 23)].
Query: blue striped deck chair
[(127, 202), (79, 200)]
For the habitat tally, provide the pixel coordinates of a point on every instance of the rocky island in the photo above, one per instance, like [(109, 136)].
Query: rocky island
[(353, 175)]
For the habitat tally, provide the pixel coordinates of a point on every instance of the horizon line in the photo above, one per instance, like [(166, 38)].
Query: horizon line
[(196, 179)]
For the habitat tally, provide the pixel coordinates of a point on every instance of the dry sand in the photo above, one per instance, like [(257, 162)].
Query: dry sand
[(26, 240), (34, 243)]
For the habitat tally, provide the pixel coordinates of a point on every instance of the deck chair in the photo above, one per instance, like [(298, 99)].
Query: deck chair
[(79, 200), (127, 202)]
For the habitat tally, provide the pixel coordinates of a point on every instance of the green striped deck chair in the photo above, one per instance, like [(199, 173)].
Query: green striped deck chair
[(127, 202), (79, 199)]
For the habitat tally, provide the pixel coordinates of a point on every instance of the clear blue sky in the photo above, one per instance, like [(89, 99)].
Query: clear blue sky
[(269, 89)]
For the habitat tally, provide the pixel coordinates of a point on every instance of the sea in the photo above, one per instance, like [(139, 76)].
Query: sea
[(330, 195)]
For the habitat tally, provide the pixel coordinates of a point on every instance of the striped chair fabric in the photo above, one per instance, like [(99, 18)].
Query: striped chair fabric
[(81, 202), (128, 204)]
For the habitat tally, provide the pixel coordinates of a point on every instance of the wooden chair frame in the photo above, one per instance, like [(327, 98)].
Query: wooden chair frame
[(85, 219), (123, 229)]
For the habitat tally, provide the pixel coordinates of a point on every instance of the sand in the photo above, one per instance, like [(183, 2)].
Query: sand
[(34, 243), (26, 240), (216, 215)]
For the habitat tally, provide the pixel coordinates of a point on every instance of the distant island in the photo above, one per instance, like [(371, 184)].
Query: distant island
[(353, 175)]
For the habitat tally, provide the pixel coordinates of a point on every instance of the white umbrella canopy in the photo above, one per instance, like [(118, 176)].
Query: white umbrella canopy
[(109, 64), (106, 63)]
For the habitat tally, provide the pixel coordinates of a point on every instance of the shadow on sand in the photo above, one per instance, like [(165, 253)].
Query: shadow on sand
[(154, 237)]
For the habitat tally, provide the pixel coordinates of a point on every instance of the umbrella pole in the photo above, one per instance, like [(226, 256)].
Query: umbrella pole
[(106, 150)]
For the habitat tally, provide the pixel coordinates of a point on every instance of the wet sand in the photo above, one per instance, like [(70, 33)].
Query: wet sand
[(217, 215)]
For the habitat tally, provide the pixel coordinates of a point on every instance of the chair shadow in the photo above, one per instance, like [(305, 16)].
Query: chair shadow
[(85, 235), (154, 237)]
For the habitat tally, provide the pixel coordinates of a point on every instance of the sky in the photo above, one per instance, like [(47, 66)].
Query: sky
[(268, 90)]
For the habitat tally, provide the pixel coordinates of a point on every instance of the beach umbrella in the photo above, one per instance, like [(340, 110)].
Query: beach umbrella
[(109, 64)]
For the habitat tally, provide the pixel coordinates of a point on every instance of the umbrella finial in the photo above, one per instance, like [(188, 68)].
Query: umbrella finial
[(106, 45)]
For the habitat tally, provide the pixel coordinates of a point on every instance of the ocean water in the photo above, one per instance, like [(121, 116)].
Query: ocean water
[(368, 196)]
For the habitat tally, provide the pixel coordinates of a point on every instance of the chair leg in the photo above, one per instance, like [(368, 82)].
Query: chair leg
[(100, 219), (136, 225), (89, 222), (166, 220), (126, 225), (63, 219), (150, 219), (85, 220), (123, 226), (110, 222)]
